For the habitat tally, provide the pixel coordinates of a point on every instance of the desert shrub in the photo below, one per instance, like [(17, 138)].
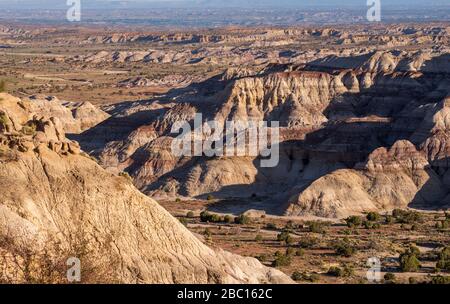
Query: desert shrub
[(335, 272), (446, 224), (209, 197), (228, 219), (406, 216), (414, 250), (412, 280), (285, 237), (368, 224), (271, 226), (207, 233), (444, 259), (3, 118), (340, 272), (190, 214), (409, 261), (348, 271), (300, 252), (397, 212), (207, 217), (258, 238), (371, 225), (313, 277), (344, 248), (289, 226), (31, 267), (183, 221), (445, 253), (3, 122), (389, 219), (389, 276), (29, 128), (216, 218), (353, 221), (346, 232), (307, 242), (373, 216), (177, 200), (242, 220), (443, 224), (441, 280), (297, 276), (317, 227), (282, 260), (48, 265), (290, 251), (262, 258), (2, 86)]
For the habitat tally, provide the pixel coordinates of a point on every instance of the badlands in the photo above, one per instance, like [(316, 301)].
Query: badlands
[(85, 153)]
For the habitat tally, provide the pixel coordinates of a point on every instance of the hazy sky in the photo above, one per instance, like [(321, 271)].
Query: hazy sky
[(48, 4)]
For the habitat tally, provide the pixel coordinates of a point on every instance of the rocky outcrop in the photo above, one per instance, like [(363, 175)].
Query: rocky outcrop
[(57, 203), (387, 62), (394, 178), (295, 99), (75, 116), (172, 81)]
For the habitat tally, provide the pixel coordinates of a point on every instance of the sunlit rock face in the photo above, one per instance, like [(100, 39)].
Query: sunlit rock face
[(379, 117), (56, 202)]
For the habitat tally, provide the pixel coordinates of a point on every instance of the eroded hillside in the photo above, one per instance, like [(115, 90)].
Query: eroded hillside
[(367, 123), (58, 203)]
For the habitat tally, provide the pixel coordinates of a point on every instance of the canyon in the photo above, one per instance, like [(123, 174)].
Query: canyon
[(362, 123), (87, 168)]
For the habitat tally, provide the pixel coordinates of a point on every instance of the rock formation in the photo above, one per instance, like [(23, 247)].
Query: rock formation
[(365, 122), (76, 116), (57, 203)]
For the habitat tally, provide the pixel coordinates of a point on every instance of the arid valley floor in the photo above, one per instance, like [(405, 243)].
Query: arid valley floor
[(86, 163)]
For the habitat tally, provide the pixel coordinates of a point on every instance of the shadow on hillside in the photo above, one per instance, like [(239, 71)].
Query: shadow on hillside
[(118, 127), (433, 194), (115, 128), (348, 139), (358, 124)]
